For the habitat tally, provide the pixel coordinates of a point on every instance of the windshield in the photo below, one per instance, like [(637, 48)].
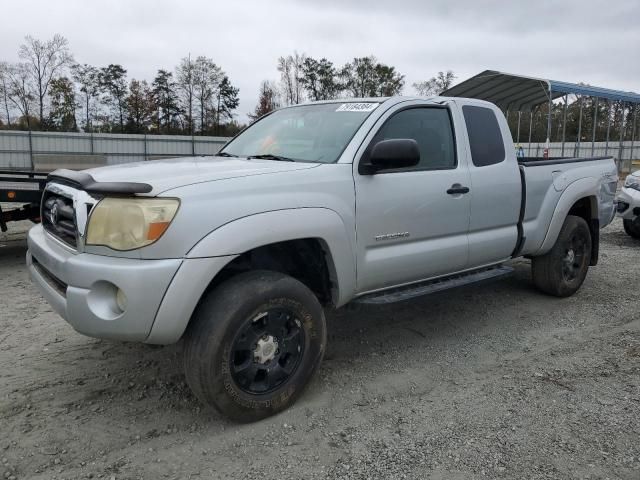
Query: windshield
[(308, 133)]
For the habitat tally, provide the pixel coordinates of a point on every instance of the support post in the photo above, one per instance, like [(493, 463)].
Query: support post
[(549, 120), (530, 127), (633, 134), (31, 151), (577, 153), (595, 124), (564, 122), (506, 115), (518, 134), (145, 148), (606, 145), (621, 135)]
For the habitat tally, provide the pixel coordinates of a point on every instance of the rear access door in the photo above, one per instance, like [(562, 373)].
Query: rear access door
[(496, 186)]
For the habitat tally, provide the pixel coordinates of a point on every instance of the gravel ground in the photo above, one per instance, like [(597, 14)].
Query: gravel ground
[(488, 381)]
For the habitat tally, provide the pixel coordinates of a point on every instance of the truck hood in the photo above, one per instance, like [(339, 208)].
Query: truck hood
[(171, 173)]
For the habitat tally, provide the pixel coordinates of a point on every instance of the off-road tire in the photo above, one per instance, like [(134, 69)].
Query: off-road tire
[(224, 315), (632, 227), (552, 273)]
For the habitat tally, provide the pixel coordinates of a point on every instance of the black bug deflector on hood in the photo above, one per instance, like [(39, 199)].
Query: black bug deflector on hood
[(87, 183)]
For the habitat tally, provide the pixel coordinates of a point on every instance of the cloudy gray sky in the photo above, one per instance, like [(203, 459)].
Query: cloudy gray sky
[(590, 41)]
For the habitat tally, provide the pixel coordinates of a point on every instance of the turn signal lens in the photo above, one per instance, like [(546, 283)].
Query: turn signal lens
[(130, 223)]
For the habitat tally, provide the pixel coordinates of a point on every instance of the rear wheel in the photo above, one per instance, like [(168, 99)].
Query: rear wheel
[(253, 344), (562, 270), (632, 227)]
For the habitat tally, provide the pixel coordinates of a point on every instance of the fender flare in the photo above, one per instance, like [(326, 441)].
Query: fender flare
[(253, 231), (582, 188)]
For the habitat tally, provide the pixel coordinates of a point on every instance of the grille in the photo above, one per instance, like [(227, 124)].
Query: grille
[(58, 217)]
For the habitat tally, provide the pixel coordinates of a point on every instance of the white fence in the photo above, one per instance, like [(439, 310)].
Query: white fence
[(17, 149)]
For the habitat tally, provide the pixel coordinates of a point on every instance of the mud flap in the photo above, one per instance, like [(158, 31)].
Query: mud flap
[(594, 227)]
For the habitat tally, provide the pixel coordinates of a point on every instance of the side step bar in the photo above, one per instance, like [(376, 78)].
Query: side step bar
[(431, 286)]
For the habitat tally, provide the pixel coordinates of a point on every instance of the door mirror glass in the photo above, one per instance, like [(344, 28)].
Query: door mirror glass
[(393, 153)]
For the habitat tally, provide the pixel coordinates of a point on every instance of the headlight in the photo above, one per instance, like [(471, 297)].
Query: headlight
[(632, 182), (130, 223)]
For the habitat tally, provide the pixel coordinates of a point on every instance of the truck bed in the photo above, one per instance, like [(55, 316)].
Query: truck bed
[(546, 180)]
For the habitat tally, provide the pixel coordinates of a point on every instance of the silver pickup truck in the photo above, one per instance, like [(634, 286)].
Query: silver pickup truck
[(311, 207)]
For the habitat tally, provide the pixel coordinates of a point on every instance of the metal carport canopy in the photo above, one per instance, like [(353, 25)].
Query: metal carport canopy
[(520, 93)]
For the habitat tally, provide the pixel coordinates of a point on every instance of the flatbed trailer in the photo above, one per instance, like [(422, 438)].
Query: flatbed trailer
[(24, 190)]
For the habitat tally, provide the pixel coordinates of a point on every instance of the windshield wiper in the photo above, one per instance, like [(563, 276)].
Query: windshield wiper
[(225, 154), (270, 156)]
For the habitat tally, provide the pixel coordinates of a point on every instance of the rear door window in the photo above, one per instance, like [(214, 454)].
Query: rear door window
[(485, 138)]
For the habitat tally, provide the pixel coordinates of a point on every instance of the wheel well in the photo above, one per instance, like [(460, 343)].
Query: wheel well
[(303, 259), (584, 208), (587, 208)]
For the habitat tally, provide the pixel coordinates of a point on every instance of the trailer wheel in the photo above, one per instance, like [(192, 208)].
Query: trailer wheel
[(253, 344), (632, 227), (561, 271)]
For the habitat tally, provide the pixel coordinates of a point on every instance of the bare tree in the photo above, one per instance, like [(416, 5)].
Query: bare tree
[(435, 85), (186, 80), (291, 73), (21, 92), (45, 61), (4, 89), (208, 76), (88, 77)]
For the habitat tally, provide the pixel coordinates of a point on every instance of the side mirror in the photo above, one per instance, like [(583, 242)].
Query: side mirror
[(390, 154)]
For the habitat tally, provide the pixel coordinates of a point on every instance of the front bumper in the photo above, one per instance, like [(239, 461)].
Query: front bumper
[(82, 287), (628, 202)]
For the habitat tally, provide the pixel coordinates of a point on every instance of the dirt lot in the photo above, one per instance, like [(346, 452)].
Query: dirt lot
[(490, 381)]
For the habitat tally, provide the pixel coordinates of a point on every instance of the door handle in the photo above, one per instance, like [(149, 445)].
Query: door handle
[(457, 189)]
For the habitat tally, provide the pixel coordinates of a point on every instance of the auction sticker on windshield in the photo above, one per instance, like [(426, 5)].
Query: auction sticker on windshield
[(357, 107)]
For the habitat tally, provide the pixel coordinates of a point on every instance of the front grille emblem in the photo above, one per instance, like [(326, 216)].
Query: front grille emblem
[(60, 216), (54, 214)]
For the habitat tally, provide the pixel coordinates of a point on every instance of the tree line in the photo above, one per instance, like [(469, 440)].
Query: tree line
[(304, 78), (48, 90)]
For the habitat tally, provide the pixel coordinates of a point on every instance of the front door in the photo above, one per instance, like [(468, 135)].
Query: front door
[(412, 223)]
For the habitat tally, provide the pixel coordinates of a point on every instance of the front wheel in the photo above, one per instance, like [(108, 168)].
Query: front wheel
[(253, 344), (632, 227), (561, 271)]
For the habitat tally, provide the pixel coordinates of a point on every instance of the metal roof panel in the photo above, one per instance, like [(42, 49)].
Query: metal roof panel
[(510, 91)]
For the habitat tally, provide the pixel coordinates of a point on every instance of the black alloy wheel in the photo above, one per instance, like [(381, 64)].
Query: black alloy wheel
[(267, 351)]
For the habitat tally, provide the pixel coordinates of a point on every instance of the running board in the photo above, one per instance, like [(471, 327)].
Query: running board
[(431, 286)]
